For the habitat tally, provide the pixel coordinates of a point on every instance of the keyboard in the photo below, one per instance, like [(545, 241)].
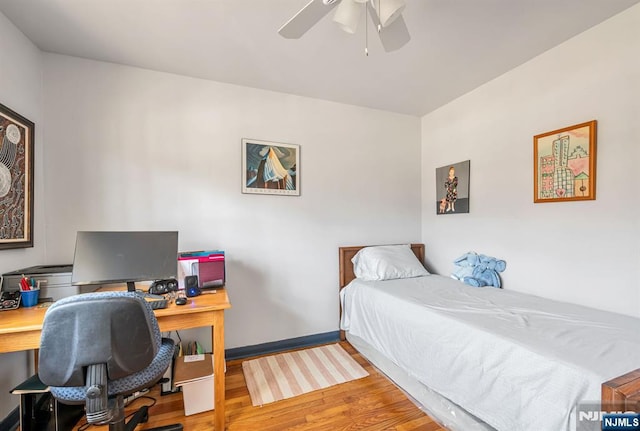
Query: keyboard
[(156, 304)]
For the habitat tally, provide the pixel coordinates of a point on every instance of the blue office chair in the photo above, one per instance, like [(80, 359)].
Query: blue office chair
[(97, 348)]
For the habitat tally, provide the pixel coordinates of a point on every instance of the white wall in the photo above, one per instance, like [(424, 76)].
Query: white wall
[(585, 252), (21, 91), (135, 149)]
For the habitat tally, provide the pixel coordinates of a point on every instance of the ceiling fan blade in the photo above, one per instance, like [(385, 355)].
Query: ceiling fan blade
[(395, 35), (306, 18)]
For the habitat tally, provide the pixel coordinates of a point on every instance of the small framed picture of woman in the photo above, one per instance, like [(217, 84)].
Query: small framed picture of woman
[(452, 188)]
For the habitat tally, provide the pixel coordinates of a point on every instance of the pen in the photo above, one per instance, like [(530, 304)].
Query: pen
[(24, 285)]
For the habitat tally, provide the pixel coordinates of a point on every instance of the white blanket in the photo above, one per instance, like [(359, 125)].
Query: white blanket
[(516, 361)]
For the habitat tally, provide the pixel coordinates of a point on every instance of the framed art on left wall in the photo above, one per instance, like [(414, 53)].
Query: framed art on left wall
[(16, 179)]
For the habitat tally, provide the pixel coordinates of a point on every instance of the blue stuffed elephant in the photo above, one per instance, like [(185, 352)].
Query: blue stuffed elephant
[(478, 270)]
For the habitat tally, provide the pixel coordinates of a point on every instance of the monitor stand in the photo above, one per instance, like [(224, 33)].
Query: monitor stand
[(131, 286)]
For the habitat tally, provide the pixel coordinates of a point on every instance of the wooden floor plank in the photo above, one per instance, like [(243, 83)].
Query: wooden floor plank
[(372, 403)]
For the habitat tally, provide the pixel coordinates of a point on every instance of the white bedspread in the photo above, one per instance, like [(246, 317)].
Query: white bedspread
[(516, 361)]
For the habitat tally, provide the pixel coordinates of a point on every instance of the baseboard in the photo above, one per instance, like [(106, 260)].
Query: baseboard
[(278, 346), (12, 421)]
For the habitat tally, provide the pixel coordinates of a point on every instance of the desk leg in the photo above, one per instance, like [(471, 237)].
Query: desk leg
[(218, 370)]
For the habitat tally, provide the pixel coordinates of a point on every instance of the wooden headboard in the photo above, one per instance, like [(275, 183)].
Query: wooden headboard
[(345, 254)]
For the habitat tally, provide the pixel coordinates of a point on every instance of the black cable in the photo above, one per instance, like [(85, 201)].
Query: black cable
[(86, 425), (154, 401)]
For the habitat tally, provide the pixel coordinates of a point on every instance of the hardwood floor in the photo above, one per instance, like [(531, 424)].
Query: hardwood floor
[(372, 403)]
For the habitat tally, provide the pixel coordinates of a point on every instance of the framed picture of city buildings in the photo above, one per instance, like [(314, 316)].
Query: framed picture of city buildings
[(564, 164)]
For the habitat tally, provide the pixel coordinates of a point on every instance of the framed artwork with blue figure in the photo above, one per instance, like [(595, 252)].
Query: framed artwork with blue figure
[(452, 188)]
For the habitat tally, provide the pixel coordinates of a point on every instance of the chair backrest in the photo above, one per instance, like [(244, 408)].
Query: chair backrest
[(118, 329)]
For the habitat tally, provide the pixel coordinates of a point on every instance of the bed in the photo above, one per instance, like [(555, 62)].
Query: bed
[(490, 359)]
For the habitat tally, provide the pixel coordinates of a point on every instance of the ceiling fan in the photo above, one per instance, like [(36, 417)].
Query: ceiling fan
[(385, 14)]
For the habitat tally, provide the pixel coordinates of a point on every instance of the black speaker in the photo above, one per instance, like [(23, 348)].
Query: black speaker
[(161, 287), (191, 286)]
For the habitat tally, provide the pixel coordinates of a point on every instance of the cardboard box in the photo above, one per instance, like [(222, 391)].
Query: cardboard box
[(198, 396), (194, 373)]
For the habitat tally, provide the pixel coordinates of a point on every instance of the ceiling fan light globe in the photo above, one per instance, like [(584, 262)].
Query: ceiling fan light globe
[(348, 15)]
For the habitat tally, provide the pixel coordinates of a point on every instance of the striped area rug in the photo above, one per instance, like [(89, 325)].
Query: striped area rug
[(286, 375)]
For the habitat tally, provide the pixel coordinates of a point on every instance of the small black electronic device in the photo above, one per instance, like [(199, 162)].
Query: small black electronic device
[(181, 300), (9, 300), (157, 304), (161, 287), (191, 286)]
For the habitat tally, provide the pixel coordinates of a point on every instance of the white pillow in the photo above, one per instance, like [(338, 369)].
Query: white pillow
[(387, 262)]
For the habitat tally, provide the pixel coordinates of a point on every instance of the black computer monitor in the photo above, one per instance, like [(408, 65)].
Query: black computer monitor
[(124, 257)]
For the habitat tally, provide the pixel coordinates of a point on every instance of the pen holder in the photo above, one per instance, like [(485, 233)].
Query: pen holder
[(29, 297)]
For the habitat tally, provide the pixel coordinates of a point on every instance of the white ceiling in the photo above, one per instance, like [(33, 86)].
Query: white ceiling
[(456, 45)]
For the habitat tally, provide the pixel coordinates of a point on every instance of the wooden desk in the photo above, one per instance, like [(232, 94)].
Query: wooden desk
[(20, 330)]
